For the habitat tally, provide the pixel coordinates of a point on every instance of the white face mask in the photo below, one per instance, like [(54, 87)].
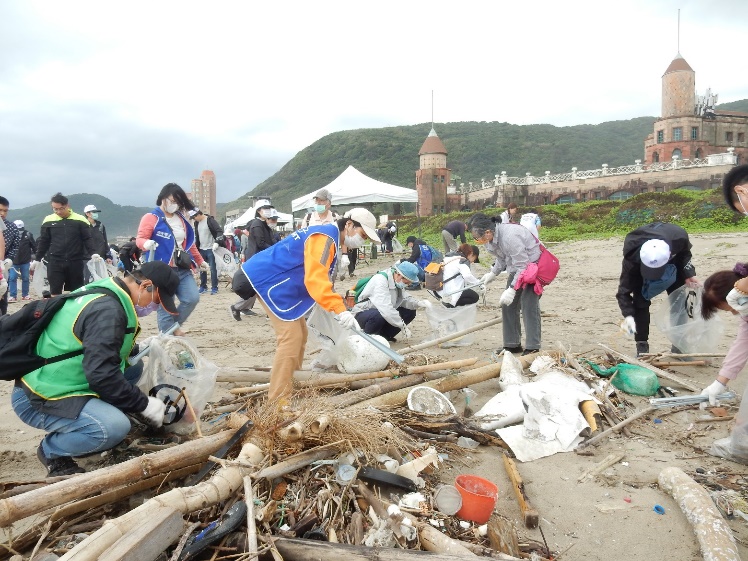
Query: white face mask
[(171, 208), (266, 213), (272, 226), (354, 241)]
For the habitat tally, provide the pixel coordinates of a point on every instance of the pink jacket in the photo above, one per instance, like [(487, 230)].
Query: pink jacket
[(737, 356), (527, 277)]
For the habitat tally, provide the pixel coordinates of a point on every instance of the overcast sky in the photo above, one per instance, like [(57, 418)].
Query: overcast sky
[(119, 98)]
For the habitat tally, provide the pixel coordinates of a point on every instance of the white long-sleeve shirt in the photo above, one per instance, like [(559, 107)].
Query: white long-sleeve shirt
[(381, 293), (456, 265)]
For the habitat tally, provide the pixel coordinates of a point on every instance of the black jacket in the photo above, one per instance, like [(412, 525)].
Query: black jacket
[(213, 226), (260, 237), (26, 248), (98, 234), (65, 239), (629, 294)]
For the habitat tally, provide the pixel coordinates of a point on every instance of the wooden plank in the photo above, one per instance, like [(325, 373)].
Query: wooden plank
[(530, 515), (162, 528)]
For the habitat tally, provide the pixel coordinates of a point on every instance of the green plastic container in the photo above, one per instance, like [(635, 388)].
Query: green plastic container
[(629, 378)]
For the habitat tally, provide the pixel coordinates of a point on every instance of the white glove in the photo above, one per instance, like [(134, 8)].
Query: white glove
[(8, 263), (488, 277), (423, 304), (154, 412), (95, 257), (215, 246), (3, 287), (406, 331), (393, 229), (348, 321), (149, 245), (628, 326), (344, 261), (507, 297), (712, 391), (738, 301), (204, 266), (33, 265)]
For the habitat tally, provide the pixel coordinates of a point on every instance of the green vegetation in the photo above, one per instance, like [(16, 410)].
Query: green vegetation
[(696, 211)]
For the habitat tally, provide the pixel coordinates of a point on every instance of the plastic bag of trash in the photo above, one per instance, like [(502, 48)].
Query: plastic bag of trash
[(445, 321), (225, 262), (39, 282), (735, 446), (679, 319), (629, 378), (97, 269), (326, 332)]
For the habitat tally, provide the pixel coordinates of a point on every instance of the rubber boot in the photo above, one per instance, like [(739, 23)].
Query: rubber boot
[(642, 347)]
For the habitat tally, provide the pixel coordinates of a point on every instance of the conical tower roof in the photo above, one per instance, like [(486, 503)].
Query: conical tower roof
[(432, 145), (678, 64)]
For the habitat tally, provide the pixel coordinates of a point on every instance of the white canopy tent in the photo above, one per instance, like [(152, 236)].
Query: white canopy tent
[(352, 187), (283, 218)]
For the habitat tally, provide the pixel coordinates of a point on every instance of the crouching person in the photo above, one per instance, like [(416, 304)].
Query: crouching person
[(382, 307), (81, 402)]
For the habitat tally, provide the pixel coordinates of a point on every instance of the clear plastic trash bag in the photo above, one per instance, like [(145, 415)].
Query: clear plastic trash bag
[(97, 269), (40, 283), (397, 247), (735, 446), (445, 321), (173, 363), (327, 334), (679, 319)]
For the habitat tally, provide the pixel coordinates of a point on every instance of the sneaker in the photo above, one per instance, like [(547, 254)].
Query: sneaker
[(64, 465), (202, 289), (513, 350), (250, 313), (352, 275), (214, 291), (642, 347), (12, 299), (26, 298), (529, 351), (235, 313)]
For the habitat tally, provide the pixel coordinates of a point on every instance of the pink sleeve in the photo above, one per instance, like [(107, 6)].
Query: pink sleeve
[(737, 356), (145, 229)]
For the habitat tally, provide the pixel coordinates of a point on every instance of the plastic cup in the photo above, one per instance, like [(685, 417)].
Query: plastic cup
[(478, 498)]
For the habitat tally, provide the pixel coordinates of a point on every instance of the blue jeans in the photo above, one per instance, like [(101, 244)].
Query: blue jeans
[(188, 297), (210, 257), (99, 427), (15, 270)]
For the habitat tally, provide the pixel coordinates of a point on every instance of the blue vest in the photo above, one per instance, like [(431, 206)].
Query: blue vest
[(425, 257), (277, 273), (163, 237)]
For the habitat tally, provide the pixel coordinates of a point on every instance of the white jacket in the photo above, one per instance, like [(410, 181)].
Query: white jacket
[(456, 265), (382, 294)]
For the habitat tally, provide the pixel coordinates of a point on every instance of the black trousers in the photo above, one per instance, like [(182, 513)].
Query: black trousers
[(353, 258), (67, 275), (372, 322)]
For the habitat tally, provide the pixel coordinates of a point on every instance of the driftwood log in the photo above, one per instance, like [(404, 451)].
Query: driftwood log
[(440, 340), (310, 550), (86, 484), (713, 533)]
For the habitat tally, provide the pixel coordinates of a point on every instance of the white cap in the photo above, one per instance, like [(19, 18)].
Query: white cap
[(90, 208), (654, 255), (194, 211), (19, 223), (273, 214), (262, 203), (367, 220)]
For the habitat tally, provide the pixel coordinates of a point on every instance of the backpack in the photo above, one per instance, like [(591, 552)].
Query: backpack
[(435, 276), (351, 296), (20, 332)]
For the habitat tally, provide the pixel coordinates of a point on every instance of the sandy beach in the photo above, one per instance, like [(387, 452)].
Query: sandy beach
[(607, 518)]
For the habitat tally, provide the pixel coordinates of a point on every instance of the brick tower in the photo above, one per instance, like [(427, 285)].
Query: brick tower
[(433, 176), (678, 89)]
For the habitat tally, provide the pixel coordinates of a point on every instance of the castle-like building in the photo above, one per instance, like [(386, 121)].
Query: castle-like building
[(692, 145)]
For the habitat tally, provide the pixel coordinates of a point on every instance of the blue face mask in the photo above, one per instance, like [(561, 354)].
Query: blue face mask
[(400, 285), (320, 208), (95, 215)]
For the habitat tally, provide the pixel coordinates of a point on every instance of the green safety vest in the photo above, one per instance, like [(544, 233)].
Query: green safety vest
[(66, 378)]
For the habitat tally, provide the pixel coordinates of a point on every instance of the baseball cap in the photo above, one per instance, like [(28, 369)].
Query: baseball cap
[(90, 208), (323, 194), (19, 223), (194, 212), (164, 278), (367, 221), (654, 255), (408, 270), (274, 214), (262, 203)]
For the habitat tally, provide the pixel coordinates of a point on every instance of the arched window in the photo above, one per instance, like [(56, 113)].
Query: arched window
[(678, 153), (655, 157), (620, 196)]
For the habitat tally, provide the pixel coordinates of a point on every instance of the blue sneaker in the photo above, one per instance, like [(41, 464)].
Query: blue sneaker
[(214, 291), (202, 289)]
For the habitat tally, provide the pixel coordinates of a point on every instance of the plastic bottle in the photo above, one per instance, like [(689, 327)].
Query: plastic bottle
[(184, 360)]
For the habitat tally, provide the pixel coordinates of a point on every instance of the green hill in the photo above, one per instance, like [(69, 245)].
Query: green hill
[(476, 150), (119, 220), (740, 105)]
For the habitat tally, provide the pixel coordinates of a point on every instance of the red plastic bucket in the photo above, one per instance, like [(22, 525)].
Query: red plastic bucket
[(478, 498)]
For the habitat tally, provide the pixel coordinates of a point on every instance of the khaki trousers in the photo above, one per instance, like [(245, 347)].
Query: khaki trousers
[(290, 337)]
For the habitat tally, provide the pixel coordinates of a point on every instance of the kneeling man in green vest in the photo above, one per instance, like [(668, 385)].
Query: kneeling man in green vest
[(81, 401)]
